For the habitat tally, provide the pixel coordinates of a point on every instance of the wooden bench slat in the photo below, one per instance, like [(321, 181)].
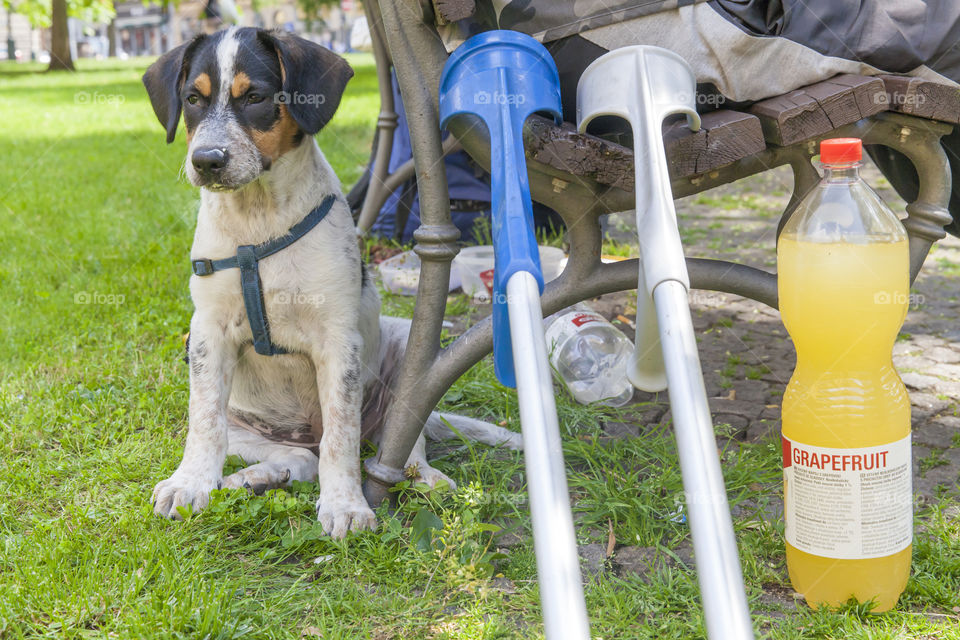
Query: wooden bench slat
[(724, 137), (582, 155), (922, 98), (728, 136), (819, 108)]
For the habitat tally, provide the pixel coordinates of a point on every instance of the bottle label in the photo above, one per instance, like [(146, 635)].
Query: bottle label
[(850, 504), (566, 326)]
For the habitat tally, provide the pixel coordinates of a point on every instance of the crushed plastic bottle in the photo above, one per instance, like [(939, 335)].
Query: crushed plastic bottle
[(590, 355)]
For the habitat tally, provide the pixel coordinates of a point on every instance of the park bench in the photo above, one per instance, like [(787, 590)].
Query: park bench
[(584, 177)]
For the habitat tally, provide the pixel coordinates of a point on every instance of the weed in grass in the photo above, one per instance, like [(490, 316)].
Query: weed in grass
[(933, 460)]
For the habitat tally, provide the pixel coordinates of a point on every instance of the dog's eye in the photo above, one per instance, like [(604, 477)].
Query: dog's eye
[(254, 98), (193, 98)]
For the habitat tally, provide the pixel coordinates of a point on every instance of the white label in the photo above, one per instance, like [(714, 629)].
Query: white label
[(850, 504), (566, 326)]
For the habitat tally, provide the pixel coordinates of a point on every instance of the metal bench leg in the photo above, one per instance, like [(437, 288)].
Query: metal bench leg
[(436, 247), (386, 123)]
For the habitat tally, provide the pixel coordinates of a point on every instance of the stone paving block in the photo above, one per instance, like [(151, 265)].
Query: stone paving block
[(936, 479), (593, 558), (944, 354), (641, 561), (945, 370), (622, 429), (763, 429), (926, 405), (737, 424), (904, 348), (744, 408), (925, 341), (918, 380), (938, 432), (752, 391), (912, 362), (949, 388)]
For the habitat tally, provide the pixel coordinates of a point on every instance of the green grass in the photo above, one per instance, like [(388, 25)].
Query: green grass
[(93, 400)]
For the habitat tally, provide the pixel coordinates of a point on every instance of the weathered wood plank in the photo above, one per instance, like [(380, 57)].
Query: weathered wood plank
[(581, 155), (922, 98), (724, 137), (819, 108), (447, 11)]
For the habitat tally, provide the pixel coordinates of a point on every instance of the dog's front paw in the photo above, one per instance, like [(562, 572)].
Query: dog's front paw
[(339, 514), (182, 490)]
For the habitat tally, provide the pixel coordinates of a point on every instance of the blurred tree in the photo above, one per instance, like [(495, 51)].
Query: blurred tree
[(112, 34), (53, 14), (311, 11), (60, 57)]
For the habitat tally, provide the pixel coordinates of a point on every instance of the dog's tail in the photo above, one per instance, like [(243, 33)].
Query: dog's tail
[(439, 426), (449, 426)]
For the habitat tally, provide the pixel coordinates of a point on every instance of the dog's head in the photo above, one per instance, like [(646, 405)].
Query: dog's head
[(247, 97)]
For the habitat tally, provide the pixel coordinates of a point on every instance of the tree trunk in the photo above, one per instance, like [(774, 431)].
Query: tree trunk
[(60, 59), (112, 38)]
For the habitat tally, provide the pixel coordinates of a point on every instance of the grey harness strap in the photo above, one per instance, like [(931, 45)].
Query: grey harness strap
[(247, 260)]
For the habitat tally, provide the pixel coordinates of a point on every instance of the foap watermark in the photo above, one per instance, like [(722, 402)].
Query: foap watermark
[(300, 298), (495, 97), (898, 298), (476, 496), (299, 98), (99, 99), (99, 298), (900, 100), (702, 99), (707, 298)]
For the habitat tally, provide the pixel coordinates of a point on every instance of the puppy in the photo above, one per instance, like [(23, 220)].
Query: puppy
[(290, 362)]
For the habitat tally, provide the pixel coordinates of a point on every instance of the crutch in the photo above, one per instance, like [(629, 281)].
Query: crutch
[(643, 85), (502, 77)]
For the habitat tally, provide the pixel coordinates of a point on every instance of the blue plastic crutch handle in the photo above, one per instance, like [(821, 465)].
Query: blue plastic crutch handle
[(503, 77)]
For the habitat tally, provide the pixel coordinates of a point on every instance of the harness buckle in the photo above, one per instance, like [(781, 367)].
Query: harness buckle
[(202, 267)]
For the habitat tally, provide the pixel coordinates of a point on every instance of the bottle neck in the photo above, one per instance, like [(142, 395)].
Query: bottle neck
[(846, 172)]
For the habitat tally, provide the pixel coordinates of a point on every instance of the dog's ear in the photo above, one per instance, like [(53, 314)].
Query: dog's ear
[(313, 79), (164, 79)]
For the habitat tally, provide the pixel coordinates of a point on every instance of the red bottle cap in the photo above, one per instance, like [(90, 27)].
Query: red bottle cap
[(841, 150)]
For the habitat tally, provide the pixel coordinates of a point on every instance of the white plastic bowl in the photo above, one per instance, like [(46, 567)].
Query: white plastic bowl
[(401, 274), (474, 265)]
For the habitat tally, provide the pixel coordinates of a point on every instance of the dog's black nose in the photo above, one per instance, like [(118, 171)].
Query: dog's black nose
[(209, 161)]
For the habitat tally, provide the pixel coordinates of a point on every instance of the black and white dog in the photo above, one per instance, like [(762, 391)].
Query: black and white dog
[(290, 361)]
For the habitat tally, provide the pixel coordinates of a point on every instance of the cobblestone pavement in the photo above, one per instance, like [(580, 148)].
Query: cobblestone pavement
[(747, 356)]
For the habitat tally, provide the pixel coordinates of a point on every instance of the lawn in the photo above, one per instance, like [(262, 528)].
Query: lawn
[(93, 404)]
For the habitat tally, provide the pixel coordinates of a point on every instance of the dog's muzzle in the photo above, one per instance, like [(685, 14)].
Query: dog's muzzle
[(209, 162)]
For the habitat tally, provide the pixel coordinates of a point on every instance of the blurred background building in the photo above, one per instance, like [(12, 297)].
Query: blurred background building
[(140, 29)]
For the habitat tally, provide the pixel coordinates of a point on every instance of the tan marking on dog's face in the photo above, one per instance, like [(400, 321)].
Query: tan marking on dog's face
[(241, 83), (202, 84), (279, 139)]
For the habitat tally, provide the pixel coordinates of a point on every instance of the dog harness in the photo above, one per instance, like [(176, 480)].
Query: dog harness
[(247, 260)]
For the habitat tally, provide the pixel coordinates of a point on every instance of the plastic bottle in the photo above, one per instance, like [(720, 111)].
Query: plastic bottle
[(843, 265), (590, 355)]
